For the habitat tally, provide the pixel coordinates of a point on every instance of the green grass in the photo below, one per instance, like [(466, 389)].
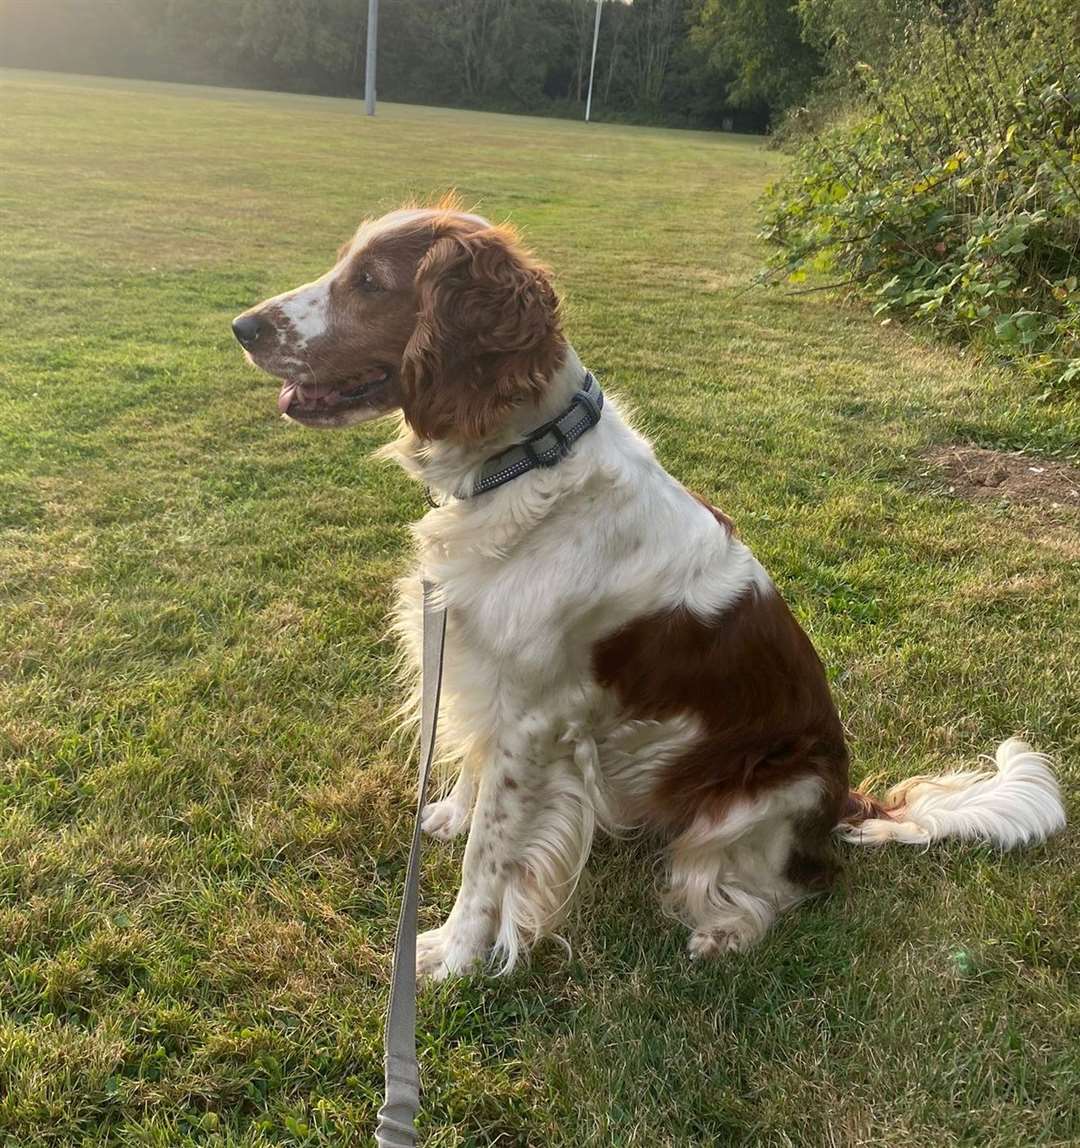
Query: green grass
[(204, 818)]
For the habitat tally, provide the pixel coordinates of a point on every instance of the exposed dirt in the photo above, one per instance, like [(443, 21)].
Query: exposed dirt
[(981, 475)]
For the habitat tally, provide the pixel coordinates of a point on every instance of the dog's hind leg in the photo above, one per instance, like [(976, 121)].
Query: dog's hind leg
[(729, 877)]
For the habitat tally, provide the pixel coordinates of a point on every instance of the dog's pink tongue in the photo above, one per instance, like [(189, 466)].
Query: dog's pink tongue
[(286, 397)]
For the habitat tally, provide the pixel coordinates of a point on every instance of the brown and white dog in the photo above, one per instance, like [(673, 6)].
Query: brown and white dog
[(615, 656)]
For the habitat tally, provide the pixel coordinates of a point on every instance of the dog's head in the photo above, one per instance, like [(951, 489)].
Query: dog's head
[(433, 312)]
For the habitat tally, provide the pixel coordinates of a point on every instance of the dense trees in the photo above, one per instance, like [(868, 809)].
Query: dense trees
[(699, 62), (758, 46), (707, 63)]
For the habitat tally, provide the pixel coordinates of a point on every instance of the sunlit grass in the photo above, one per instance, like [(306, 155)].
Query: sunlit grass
[(204, 818)]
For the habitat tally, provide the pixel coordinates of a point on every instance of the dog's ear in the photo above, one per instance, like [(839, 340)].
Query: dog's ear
[(487, 334)]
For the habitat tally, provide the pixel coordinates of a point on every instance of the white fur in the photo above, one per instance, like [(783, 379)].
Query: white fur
[(1017, 804), (449, 817), (308, 312)]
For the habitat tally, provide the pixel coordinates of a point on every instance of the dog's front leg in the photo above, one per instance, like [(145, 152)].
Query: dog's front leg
[(449, 816), (507, 783)]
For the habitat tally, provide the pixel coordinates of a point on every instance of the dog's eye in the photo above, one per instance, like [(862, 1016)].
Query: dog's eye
[(365, 281)]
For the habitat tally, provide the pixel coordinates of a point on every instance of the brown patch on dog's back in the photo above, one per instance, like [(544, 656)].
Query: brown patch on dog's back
[(753, 679)]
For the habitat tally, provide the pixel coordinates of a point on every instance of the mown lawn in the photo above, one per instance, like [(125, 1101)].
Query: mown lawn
[(204, 817)]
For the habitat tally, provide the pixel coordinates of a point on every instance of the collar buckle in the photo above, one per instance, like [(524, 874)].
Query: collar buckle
[(559, 435)]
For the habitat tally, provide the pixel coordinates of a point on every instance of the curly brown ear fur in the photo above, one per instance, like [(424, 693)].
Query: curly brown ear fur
[(487, 335)]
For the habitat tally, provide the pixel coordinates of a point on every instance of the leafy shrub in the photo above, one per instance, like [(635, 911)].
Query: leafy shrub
[(952, 194)]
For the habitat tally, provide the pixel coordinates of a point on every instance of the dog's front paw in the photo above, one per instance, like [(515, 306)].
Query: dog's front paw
[(445, 819), (444, 952)]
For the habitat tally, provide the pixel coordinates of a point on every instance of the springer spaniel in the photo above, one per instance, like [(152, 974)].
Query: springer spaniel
[(615, 656)]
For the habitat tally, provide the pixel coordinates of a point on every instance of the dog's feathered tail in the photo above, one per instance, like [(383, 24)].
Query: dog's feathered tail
[(1019, 803)]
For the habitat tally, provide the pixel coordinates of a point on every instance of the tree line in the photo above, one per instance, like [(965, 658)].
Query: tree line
[(702, 63)]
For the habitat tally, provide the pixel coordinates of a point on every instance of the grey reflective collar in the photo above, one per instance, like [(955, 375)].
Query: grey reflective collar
[(546, 445)]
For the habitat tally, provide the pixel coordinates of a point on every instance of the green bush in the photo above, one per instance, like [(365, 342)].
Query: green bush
[(952, 192)]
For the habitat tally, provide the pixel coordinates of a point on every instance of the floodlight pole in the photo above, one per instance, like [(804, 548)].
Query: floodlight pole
[(369, 67), (592, 66)]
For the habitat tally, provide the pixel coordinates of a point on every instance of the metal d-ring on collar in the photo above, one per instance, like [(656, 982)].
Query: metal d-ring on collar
[(546, 445)]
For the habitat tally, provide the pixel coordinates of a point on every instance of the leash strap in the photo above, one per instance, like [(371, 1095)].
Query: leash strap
[(401, 1103)]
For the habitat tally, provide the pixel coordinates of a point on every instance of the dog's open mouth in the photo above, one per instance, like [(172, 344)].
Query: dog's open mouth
[(303, 401)]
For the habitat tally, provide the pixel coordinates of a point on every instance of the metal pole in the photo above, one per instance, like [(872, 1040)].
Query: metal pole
[(369, 68), (592, 66)]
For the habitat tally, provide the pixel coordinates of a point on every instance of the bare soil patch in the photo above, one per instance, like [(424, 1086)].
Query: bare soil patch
[(981, 475)]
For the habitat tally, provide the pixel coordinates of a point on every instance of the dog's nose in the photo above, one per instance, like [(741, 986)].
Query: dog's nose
[(248, 328)]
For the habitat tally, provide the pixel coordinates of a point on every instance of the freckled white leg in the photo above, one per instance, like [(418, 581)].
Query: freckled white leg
[(531, 832), (448, 817), (465, 940)]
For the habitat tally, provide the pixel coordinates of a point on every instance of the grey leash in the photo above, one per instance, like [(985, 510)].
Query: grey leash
[(401, 1103)]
